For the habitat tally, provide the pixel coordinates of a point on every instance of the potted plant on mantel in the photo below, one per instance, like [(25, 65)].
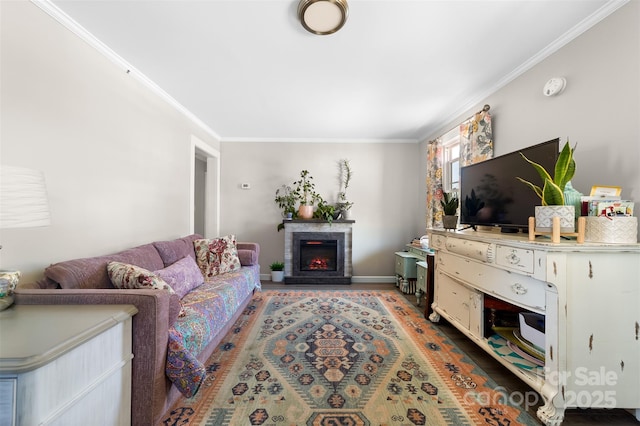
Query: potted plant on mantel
[(344, 177), (449, 203), (286, 200), (552, 192), (277, 272), (305, 191)]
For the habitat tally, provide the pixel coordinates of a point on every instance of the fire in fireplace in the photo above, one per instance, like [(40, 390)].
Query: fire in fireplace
[(318, 255)]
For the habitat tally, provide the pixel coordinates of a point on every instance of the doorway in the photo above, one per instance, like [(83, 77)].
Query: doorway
[(205, 189)]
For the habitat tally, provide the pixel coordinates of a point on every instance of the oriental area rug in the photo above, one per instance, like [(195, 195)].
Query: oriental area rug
[(341, 357)]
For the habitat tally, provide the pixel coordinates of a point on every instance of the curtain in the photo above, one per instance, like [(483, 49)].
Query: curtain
[(476, 138), (476, 144), (434, 183)]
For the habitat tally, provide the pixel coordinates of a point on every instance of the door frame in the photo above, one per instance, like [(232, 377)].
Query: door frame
[(212, 187)]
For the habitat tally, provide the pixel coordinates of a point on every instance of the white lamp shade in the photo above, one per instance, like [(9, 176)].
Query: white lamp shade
[(23, 198)]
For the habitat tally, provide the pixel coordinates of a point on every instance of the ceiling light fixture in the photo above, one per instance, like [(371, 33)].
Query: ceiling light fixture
[(323, 17)]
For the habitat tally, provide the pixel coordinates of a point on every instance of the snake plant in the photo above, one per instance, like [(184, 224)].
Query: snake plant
[(552, 191)]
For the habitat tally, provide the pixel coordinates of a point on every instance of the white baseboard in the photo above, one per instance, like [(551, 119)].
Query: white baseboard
[(354, 279)]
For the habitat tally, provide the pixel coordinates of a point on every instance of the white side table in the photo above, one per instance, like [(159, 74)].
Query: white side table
[(65, 365)]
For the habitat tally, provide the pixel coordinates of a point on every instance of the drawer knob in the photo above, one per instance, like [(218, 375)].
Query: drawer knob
[(519, 288), (513, 259)]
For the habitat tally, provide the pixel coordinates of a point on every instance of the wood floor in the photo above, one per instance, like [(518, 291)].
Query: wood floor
[(493, 368)]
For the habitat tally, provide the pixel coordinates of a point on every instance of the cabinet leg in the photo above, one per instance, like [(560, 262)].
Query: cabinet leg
[(405, 285), (549, 414), (434, 317), (418, 295)]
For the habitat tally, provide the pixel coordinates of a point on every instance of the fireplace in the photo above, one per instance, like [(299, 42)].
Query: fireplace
[(317, 252)]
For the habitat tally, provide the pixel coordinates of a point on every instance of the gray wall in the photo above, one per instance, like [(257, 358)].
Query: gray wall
[(599, 109), (117, 158), (384, 190)]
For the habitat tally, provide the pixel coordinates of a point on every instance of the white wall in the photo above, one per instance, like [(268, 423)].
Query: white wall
[(599, 109), (384, 190), (116, 157)]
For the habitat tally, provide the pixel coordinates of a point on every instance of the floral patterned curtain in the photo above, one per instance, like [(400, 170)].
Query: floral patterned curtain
[(476, 144), (476, 138), (434, 183)]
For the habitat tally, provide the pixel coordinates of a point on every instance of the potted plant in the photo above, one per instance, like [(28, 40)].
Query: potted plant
[(325, 211), (286, 200), (305, 191), (277, 271), (344, 177), (449, 203), (552, 192)]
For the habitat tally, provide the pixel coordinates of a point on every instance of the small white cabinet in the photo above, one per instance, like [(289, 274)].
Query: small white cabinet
[(65, 365), (589, 294)]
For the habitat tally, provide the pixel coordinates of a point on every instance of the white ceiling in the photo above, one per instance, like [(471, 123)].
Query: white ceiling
[(397, 71)]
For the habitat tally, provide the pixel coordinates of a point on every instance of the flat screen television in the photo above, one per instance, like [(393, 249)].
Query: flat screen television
[(490, 194)]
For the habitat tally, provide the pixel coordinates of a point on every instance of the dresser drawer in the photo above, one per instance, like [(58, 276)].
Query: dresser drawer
[(406, 264), (516, 288), (421, 280), (515, 258), (418, 252)]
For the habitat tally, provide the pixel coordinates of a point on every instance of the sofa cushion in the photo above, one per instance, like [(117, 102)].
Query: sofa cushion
[(174, 250), (217, 256), (183, 276), (126, 276), (92, 272)]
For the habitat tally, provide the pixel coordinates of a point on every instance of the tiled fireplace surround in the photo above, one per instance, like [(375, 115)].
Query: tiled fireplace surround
[(296, 230)]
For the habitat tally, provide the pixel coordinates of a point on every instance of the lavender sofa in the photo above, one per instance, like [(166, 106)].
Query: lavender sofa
[(164, 341)]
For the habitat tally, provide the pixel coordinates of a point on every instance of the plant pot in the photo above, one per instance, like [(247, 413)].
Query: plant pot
[(277, 276), (544, 218), (305, 211), (450, 222)]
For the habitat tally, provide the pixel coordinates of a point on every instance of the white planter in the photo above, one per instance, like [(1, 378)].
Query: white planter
[(544, 218), (277, 276), (611, 229)]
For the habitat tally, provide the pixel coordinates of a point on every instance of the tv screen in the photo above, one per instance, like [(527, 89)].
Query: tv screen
[(490, 194)]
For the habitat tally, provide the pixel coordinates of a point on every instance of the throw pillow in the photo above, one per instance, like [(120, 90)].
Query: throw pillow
[(217, 256), (183, 276), (126, 276)]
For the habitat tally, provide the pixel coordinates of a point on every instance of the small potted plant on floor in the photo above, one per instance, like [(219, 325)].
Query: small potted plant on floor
[(552, 192), (277, 271), (449, 203)]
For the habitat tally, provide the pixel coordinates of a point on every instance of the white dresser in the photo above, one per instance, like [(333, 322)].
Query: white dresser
[(65, 365), (590, 297)]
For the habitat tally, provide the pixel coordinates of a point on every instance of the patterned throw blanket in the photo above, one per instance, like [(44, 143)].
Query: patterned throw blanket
[(207, 309)]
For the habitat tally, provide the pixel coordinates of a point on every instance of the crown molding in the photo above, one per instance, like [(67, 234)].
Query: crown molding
[(56, 13), (553, 47), (316, 140)]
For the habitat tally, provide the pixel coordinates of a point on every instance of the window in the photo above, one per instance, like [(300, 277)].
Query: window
[(451, 165)]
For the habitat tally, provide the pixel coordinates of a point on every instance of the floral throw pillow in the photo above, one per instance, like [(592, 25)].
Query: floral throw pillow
[(126, 276), (217, 256)]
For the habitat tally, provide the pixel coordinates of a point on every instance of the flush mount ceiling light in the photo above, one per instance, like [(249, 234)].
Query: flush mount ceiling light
[(323, 16)]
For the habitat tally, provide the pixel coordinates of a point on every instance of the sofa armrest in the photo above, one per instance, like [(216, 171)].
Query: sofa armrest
[(150, 337), (248, 253)]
